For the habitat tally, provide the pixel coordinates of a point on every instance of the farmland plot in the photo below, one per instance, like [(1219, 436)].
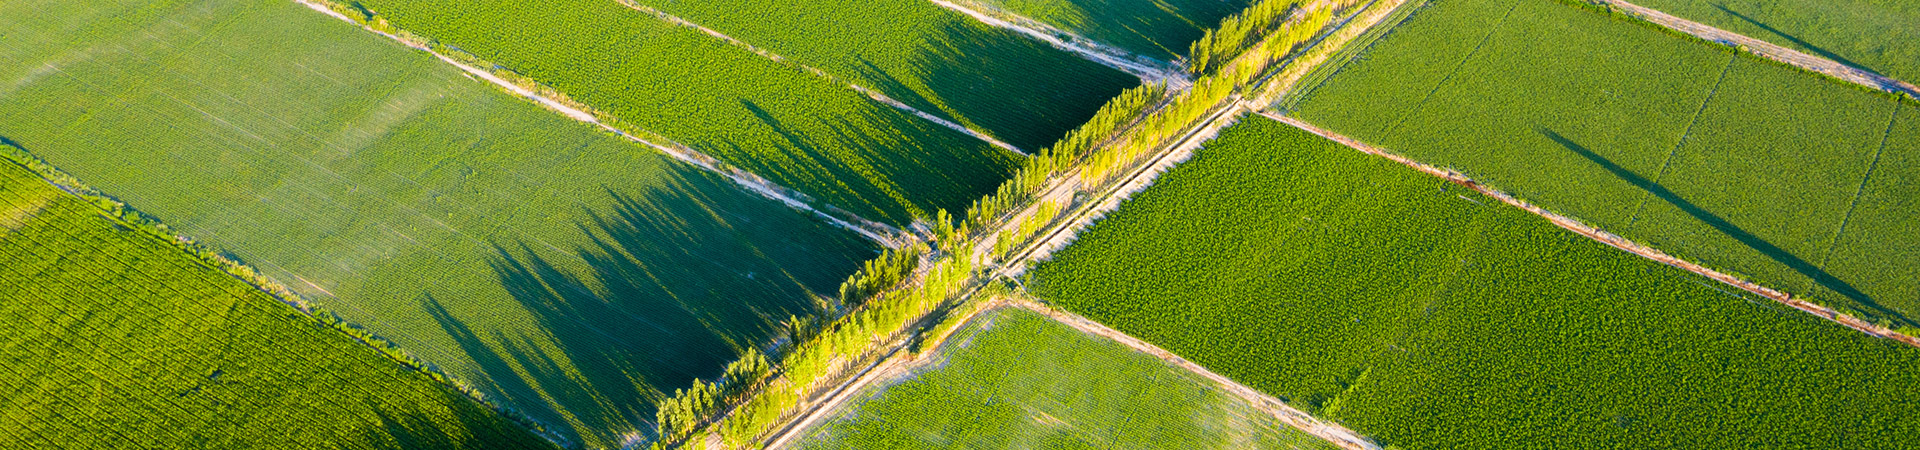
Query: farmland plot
[(1728, 160), (117, 338), (1422, 315), (564, 272), (791, 127), (1016, 379), (1877, 35), (1159, 29), (1012, 87)]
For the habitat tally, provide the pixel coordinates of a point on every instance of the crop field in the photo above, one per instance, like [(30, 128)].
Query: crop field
[(116, 336), (1876, 35), (1007, 85), (1161, 29), (1424, 316), (1732, 161), (793, 128), (1017, 379), (566, 273)]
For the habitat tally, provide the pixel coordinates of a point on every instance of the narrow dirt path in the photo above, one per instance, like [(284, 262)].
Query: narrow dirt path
[(878, 232), (1768, 50), (863, 90), (1611, 239), (1147, 69)]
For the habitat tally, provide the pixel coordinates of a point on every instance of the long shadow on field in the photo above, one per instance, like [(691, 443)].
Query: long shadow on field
[(475, 427), (676, 282), (904, 172), (1796, 40), (1159, 29), (1017, 89), (1772, 251)]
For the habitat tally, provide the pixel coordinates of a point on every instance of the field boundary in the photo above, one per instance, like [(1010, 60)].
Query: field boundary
[(557, 101), (1328, 46), (1610, 239), (1859, 191), (1667, 163), (213, 258), (1764, 49), (1146, 68), (1415, 109), (863, 90)]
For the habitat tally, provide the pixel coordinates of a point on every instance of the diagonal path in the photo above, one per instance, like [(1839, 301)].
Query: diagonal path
[(1769, 50), (1147, 69)]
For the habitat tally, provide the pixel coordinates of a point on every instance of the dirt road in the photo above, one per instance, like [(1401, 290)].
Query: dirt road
[(1768, 50)]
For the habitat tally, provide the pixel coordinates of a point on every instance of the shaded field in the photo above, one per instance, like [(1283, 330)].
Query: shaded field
[(1016, 379), (1877, 35), (1728, 160), (116, 337), (566, 273), (1425, 316), (1004, 84), (783, 124), (1159, 29)]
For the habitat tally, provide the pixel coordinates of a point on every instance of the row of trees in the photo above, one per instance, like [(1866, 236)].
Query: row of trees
[(1235, 35), (876, 306)]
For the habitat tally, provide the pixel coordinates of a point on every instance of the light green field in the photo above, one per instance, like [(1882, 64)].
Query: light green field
[(117, 338), (1016, 379), (1877, 35), (1158, 29), (1013, 87), (1426, 316), (566, 273), (1728, 160)]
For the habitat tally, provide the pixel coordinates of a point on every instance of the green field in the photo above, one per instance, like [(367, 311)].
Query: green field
[(1728, 160), (1159, 29), (564, 272), (793, 128), (1425, 316), (1005, 84), (117, 337), (1016, 379), (1877, 35)]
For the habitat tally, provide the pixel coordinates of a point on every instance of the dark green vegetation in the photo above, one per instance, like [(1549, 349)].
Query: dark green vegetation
[(1877, 35), (1427, 317), (1015, 88), (1728, 160), (568, 274), (1016, 379), (793, 128), (118, 338), (1158, 29)]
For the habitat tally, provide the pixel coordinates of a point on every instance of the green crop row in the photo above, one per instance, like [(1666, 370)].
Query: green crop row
[(1426, 316), (1015, 379), (1792, 180), (116, 337), (1876, 35)]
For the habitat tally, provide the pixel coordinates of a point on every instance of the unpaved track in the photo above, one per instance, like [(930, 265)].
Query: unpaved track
[(878, 232), (1609, 238), (863, 90), (1147, 69), (1768, 50)]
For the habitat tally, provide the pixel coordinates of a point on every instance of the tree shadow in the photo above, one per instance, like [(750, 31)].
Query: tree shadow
[(669, 285), (475, 427), (1159, 28), (1018, 89), (1795, 39), (885, 164), (1771, 251)]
